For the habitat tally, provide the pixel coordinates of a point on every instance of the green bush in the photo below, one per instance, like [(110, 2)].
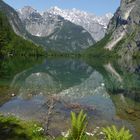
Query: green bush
[(25, 130), (112, 133), (12, 128), (78, 126)]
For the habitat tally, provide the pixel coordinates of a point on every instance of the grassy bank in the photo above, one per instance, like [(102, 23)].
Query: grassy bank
[(12, 128)]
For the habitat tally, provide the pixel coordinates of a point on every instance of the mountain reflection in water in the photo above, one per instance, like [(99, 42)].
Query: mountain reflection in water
[(112, 92)]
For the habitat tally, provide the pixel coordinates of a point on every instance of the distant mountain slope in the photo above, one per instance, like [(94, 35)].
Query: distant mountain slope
[(13, 18), (12, 44), (66, 36), (123, 33), (95, 25), (125, 29), (54, 32)]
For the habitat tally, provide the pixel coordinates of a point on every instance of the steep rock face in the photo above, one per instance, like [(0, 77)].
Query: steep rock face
[(95, 25), (54, 31), (125, 29), (13, 18), (40, 25)]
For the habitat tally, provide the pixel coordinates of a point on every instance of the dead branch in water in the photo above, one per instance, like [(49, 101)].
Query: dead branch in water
[(50, 103), (46, 119)]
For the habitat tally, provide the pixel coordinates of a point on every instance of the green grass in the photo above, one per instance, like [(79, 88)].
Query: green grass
[(12, 128)]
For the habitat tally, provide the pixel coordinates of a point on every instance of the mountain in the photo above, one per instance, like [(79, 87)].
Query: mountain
[(125, 29), (13, 18), (54, 32), (95, 25), (123, 33), (11, 43)]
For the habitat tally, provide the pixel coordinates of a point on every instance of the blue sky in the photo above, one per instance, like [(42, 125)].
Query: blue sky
[(98, 7)]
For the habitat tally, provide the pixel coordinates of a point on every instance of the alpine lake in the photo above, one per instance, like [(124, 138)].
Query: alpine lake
[(109, 92)]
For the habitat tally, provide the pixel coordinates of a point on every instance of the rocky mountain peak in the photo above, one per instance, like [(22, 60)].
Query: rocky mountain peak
[(54, 9), (27, 11), (125, 29), (95, 25), (75, 13), (54, 31)]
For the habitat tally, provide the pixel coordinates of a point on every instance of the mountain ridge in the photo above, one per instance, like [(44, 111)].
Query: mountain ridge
[(54, 32), (123, 33), (65, 38), (95, 25)]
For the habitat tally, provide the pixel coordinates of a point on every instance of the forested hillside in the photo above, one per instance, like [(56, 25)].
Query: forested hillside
[(11, 44)]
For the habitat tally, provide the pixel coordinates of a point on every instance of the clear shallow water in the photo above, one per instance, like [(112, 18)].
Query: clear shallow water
[(108, 93)]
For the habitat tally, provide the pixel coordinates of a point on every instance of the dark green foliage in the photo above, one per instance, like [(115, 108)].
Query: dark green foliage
[(9, 67), (11, 44), (136, 55), (5, 32), (12, 128), (55, 54)]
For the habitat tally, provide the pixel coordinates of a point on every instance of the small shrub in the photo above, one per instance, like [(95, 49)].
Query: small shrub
[(111, 133), (78, 126)]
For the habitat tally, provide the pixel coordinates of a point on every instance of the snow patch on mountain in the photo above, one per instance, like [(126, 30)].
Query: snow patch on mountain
[(95, 25), (54, 31)]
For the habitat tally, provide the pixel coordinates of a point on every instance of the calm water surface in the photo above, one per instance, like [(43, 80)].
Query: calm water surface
[(108, 92)]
